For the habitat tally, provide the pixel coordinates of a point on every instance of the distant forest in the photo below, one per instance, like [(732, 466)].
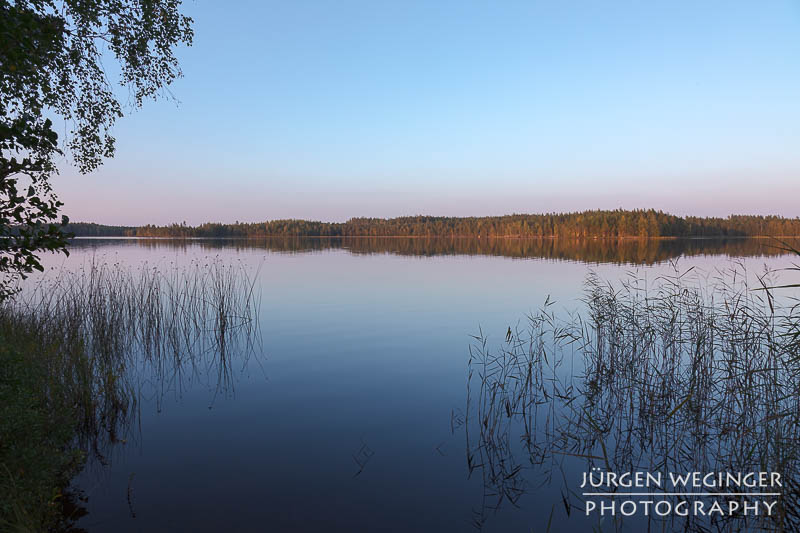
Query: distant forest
[(586, 224)]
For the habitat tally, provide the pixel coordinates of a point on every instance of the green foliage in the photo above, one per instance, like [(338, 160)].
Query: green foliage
[(36, 433), (27, 223), (89, 229), (51, 65), (616, 224)]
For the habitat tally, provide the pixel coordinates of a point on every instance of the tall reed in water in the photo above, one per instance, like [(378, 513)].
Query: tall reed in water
[(687, 373)]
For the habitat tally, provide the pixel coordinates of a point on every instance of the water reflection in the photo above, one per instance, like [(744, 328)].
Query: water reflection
[(366, 362), (684, 376), (591, 251), (117, 334)]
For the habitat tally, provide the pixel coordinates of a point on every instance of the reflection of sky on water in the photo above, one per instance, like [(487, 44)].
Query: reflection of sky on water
[(357, 349)]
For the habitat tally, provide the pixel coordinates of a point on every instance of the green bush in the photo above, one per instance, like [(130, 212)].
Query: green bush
[(37, 437)]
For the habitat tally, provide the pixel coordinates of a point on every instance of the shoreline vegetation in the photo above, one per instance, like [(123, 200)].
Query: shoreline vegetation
[(598, 224), (76, 352)]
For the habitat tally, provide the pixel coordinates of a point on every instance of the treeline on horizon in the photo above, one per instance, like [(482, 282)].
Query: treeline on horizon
[(586, 224)]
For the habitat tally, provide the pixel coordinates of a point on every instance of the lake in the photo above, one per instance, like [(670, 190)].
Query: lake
[(349, 411)]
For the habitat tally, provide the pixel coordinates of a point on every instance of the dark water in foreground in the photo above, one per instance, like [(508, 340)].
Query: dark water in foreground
[(347, 417)]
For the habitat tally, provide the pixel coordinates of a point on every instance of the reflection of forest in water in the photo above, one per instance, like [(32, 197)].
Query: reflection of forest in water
[(633, 251)]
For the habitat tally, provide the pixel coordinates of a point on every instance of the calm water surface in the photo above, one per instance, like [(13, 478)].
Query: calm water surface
[(342, 420)]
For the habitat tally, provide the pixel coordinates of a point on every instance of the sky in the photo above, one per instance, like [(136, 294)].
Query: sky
[(328, 110)]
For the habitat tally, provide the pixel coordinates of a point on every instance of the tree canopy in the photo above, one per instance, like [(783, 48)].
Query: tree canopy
[(599, 224), (52, 55)]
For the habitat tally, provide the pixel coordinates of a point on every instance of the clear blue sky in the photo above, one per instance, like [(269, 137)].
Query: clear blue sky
[(327, 110)]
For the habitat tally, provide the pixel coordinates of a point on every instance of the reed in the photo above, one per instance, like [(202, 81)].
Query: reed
[(691, 372), (91, 339)]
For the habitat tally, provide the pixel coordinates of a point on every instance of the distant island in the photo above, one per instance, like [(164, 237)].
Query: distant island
[(609, 224)]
